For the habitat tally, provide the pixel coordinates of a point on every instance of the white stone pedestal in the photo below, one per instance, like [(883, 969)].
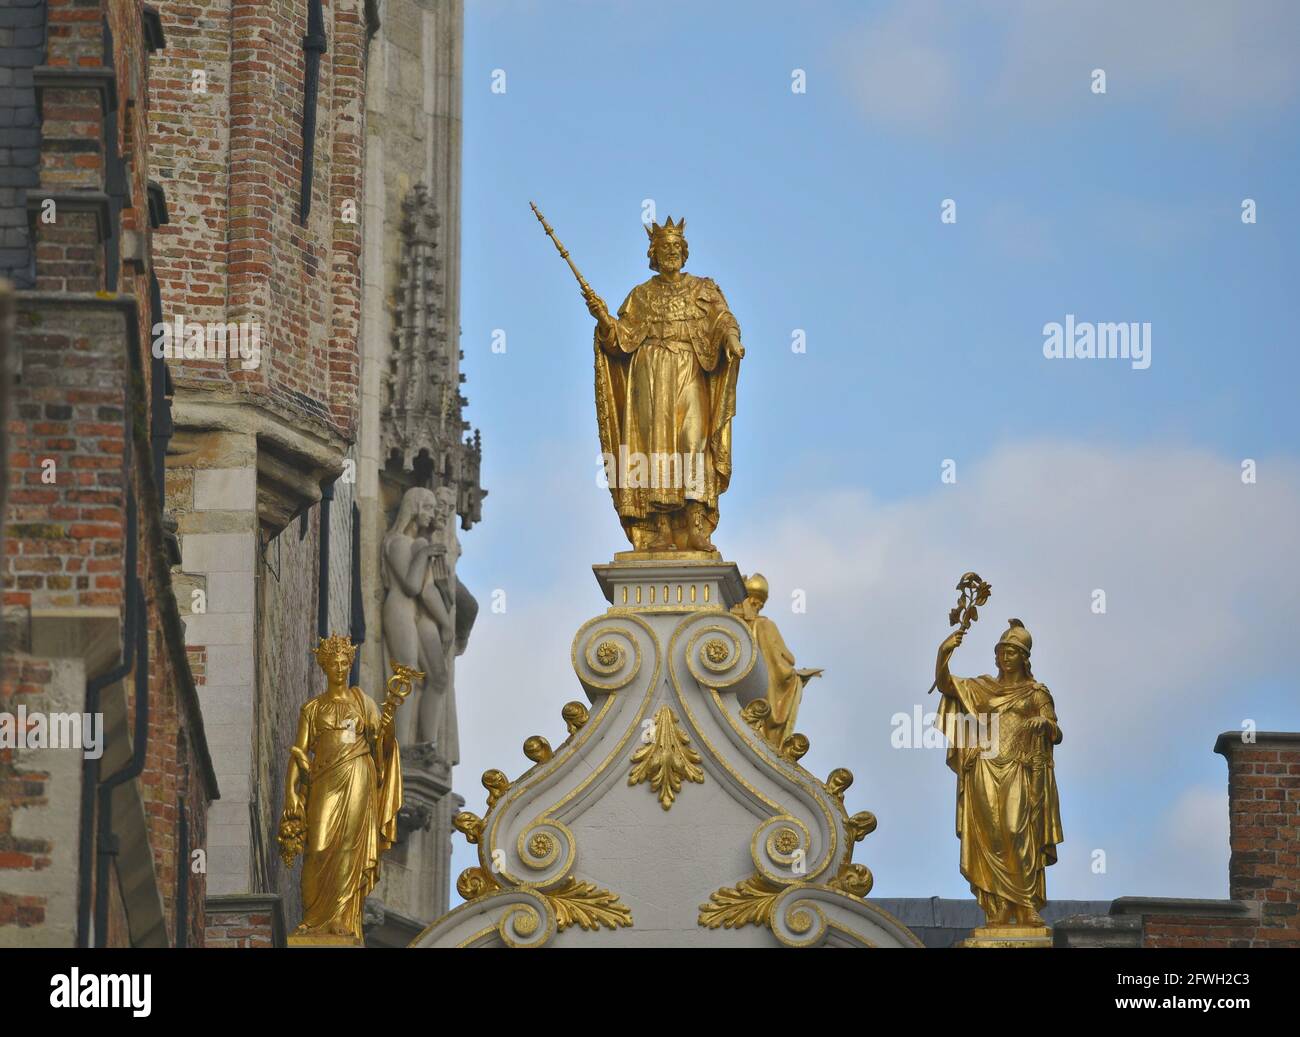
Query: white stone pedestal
[(665, 819)]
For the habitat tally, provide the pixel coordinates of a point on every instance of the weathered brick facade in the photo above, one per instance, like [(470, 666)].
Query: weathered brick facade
[(227, 99), (86, 538), (1264, 871), (1263, 909), (202, 166), (259, 439)]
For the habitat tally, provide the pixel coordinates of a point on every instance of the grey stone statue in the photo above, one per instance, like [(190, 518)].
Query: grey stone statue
[(428, 614)]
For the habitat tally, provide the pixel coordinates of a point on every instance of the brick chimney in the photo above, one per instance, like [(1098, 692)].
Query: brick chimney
[(1264, 814)]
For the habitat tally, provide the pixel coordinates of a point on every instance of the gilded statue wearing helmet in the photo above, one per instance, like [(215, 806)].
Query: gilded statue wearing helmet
[(1008, 809), (785, 684)]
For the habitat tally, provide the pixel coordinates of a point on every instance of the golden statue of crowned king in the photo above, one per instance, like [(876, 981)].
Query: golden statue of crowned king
[(666, 370)]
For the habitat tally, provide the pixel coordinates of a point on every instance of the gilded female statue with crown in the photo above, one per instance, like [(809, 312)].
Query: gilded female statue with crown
[(343, 790), (1008, 808), (666, 370)]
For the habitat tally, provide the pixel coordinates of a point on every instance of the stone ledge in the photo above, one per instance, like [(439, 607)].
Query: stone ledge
[(94, 202), (1098, 931), (1244, 909), (697, 582), (385, 927), (294, 454), (1230, 741), (220, 904), (91, 634), (101, 79)]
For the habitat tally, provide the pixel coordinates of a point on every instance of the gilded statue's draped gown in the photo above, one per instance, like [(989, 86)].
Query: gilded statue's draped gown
[(1008, 810), (665, 386), (353, 795)]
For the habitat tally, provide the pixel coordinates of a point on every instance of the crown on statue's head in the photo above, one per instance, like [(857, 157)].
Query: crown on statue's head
[(656, 231), (332, 645)]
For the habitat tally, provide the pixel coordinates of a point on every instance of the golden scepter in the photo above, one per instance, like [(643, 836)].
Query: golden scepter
[(972, 593), (398, 687), (588, 293)]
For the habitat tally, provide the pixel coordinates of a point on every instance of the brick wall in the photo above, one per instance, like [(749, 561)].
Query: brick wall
[(245, 929), (65, 515), (1264, 816), (232, 153), (285, 638), (83, 401), (22, 681), (252, 920), (1264, 870)]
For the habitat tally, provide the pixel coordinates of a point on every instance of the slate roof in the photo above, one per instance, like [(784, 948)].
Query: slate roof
[(22, 48), (940, 922)]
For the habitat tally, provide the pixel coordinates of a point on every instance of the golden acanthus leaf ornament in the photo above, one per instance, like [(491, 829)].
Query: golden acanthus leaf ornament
[(476, 882), (853, 879), (838, 782), (575, 716), (538, 749), (749, 903), (497, 785), (586, 905), (666, 759), (469, 824), (860, 825), (796, 747), (756, 714)]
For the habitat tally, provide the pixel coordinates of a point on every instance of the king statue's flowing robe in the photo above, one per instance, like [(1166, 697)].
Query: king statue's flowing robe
[(1008, 810), (665, 389), (354, 792)]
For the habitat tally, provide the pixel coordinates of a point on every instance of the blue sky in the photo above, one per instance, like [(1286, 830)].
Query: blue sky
[(821, 211)]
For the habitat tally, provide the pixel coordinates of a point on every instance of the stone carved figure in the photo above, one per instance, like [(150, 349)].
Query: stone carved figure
[(427, 613), (785, 684), (1008, 808)]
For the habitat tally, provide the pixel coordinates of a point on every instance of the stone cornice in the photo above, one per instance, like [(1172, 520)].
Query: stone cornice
[(94, 202), (251, 903), (1232, 741), (293, 457), (99, 78), (1186, 906)]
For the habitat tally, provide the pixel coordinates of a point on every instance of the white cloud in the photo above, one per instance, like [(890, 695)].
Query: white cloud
[(1200, 576), (1198, 822), (928, 67), (904, 68)]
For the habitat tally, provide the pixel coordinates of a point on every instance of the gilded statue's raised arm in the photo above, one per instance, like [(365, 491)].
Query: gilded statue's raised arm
[(942, 675)]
